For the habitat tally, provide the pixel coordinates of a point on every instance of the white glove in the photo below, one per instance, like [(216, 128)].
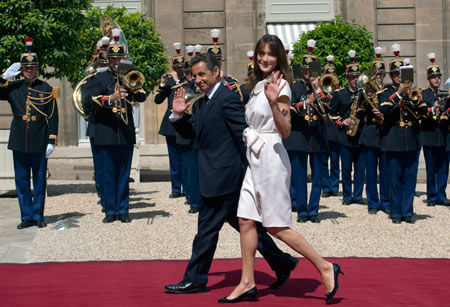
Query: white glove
[(50, 149), (12, 71)]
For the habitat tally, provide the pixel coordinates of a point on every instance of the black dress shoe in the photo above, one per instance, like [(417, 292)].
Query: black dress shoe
[(294, 209), (250, 294), (124, 218), (326, 194), (373, 211), (347, 202), (25, 224), (40, 224), (103, 209), (387, 211), (302, 219), (333, 193), (397, 220), (314, 219), (431, 204), (175, 195), (99, 202), (284, 274), (408, 220), (187, 202), (337, 271), (359, 202), (193, 210), (185, 286), (109, 219)]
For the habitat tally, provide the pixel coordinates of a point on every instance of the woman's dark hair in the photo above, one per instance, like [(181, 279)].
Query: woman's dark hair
[(276, 46)]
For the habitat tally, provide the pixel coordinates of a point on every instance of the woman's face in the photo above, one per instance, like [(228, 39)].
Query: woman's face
[(267, 61)]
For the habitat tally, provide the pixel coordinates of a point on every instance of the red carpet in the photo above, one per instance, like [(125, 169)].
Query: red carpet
[(369, 282)]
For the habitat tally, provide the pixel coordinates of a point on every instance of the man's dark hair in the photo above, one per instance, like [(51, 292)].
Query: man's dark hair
[(209, 59)]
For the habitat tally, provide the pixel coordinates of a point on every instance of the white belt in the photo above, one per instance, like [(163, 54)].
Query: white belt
[(253, 139)]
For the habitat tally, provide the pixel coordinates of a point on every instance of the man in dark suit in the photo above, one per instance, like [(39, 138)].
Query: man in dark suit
[(217, 124)]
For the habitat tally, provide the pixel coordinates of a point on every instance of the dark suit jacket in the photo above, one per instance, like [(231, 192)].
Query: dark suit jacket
[(217, 126)]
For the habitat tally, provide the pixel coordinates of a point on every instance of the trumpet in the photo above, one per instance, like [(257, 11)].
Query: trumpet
[(328, 83), (134, 80)]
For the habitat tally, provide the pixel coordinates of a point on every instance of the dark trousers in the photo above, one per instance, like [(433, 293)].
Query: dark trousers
[(98, 172), (175, 163), (402, 181), (116, 175), (330, 181), (436, 162), (213, 213), (192, 178), (31, 208), (376, 163), (352, 156), (299, 180)]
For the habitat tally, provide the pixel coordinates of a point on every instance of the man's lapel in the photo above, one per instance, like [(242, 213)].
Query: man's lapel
[(206, 107)]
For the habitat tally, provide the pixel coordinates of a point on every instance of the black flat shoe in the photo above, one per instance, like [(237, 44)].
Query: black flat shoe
[(185, 286), (373, 211), (314, 219), (325, 194), (408, 220), (175, 195), (337, 271), (347, 202), (25, 224), (193, 210), (302, 219), (284, 274), (250, 294), (397, 220)]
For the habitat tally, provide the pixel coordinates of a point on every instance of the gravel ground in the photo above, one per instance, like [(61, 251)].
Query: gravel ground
[(162, 229)]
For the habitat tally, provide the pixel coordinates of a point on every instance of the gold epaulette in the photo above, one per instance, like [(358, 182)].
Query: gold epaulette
[(339, 89), (234, 79), (382, 90), (179, 85)]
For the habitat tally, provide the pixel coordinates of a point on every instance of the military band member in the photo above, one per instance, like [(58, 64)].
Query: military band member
[(375, 159), (308, 137), (33, 135), (343, 113), (400, 141), (331, 172), (114, 132), (432, 135), (170, 82)]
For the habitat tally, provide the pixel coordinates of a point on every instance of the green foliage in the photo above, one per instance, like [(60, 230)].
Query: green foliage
[(145, 46), (65, 32), (53, 24), (337, 37)]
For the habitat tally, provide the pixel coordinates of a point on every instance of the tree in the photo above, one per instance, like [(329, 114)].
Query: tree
[(53, 24), (337, 37), (146, 49), (65, 32)]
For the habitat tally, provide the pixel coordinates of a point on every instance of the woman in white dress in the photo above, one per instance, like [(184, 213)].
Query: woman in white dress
[(265, 191)]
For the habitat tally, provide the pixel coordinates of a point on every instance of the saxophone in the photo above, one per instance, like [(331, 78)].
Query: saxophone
[(353, 127)]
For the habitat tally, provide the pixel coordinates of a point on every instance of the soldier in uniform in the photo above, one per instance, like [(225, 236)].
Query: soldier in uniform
[(375, 159), (343, 113), (33, 136), (400, 141), (331, 172), (432, 135), (115, 136), (308, 137), (169, 83)]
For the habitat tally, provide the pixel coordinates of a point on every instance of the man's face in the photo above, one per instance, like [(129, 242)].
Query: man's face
[(305, 72), (180, 71), (395, 77), (380, 78), (113, 62), (352, 79), (435, 80), (204, 78), (29, 72)]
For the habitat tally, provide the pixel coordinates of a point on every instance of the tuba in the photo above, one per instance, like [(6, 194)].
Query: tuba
[(328, 83), (193, 97), (77, 97), (368, 80)]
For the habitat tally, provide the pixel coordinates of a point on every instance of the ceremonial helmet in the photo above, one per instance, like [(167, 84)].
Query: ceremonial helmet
[(214, 49), (116, 48), (395, 64), (307, 58), (433, 69), (352, 69), (329, 68), (178, 60), (379, 63), (29, 58)]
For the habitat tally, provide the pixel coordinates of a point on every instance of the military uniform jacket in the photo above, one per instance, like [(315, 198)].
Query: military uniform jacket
[(35, 121), (341, 105), (109, 128), (400, 130), (168, 91), (232, 84), (432, 132), (445, 121), (371, 127), (308, 131)]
